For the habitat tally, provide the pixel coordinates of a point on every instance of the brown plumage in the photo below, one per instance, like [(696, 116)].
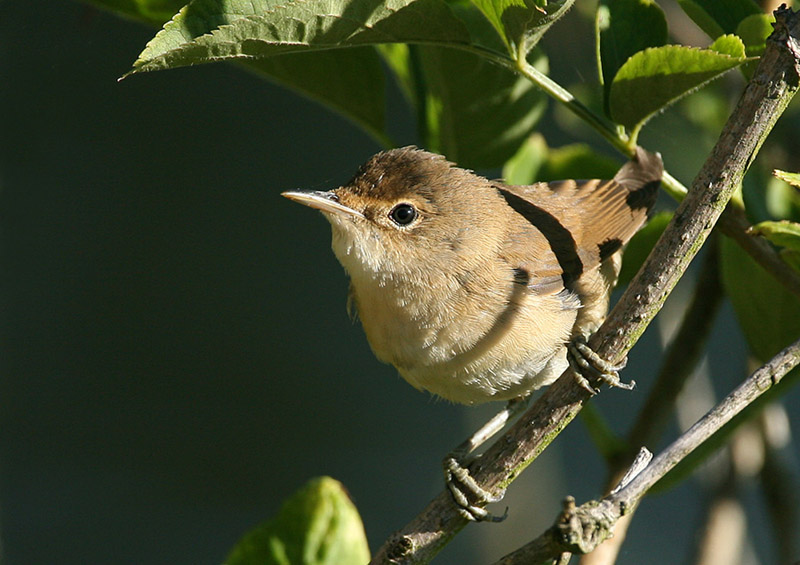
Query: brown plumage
[(472, 288)]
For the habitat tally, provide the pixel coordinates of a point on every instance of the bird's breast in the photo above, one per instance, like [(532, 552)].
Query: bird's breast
[(463, 343)]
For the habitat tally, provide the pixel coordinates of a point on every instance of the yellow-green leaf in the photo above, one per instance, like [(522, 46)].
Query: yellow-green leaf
[(317, 525), (791, 178), (654, 78), (522, 23)]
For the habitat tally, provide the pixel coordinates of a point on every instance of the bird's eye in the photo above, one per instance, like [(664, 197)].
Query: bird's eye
[(403, 214)]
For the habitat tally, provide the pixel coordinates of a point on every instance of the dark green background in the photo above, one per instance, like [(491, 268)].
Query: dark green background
[(176, 356)]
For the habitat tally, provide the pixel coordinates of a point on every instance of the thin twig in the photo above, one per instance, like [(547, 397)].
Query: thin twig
[(680, 361), (581, 529), (682, 354), (763, 100)]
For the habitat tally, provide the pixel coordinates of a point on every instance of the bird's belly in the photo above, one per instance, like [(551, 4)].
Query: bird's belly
[(469, 359), (487, 379)]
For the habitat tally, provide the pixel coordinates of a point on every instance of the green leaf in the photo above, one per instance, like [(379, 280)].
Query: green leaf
[(640, 246), (523, 167), (349, 81), (717, 17), (154, 12), (577, 161), (783, 233), (622, 28), (215, 30), (478, 113), (317, 525), (397, 57), (535, 162), (791, 178), (768, 314), (754, 31), (610, 445), (522, 23), (655, 78)]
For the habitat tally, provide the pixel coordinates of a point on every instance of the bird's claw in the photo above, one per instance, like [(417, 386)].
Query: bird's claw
[(461, 484), (584, 360)]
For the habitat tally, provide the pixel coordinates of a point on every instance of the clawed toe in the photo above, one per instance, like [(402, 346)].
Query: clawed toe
[(584, 361), (468, 495)]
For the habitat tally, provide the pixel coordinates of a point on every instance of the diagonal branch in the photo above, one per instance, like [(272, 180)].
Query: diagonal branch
[(680, 360), (580, 529), (764, 99)]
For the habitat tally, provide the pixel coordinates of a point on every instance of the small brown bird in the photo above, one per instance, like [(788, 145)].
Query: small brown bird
[(471, 288)]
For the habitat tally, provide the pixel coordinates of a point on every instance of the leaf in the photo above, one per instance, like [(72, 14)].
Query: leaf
[(154, 12), (317, 525), (478, 113), (754, 31), (577, 161), (622, 28), (523, 167), (715, 17), (768, 314), (791, 178), (522, 23), (349, 81), (215, 30), (656, 77), (640, 246), (783, 233)]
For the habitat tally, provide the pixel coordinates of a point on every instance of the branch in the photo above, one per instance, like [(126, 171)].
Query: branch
[(733, 223), (764, 98), (680, 360), (581, 529)]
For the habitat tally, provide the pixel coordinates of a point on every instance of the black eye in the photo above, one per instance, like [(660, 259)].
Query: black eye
[(403, 214)]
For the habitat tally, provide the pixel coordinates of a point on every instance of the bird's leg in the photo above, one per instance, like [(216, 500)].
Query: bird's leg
[(469, 496), (585, 362)]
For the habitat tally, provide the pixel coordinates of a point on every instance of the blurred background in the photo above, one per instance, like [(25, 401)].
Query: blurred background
[(176, 355)]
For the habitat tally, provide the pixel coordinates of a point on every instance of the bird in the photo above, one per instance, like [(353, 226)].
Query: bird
[(476, 290)]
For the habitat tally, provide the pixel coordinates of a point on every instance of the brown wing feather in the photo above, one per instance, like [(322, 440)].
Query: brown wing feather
[(585, 222)]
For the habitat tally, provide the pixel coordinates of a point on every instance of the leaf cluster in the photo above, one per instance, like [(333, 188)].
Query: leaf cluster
[(477, 80)]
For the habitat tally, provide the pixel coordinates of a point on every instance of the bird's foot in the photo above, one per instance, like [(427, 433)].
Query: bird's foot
[(586, 363), (469, 496)]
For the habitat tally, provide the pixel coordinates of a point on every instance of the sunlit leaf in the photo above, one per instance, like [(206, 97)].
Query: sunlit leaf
[(754, 31), (655, 78), (215, 30), (624, 27), (318, 525), (523, 167), (783, 233), (577, 161), (522, 23), (791, 178)]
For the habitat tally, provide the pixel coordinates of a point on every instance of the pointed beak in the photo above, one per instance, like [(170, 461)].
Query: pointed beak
[(324, 201)]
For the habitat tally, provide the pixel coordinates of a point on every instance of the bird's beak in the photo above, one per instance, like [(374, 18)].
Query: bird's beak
[(324, 201)]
